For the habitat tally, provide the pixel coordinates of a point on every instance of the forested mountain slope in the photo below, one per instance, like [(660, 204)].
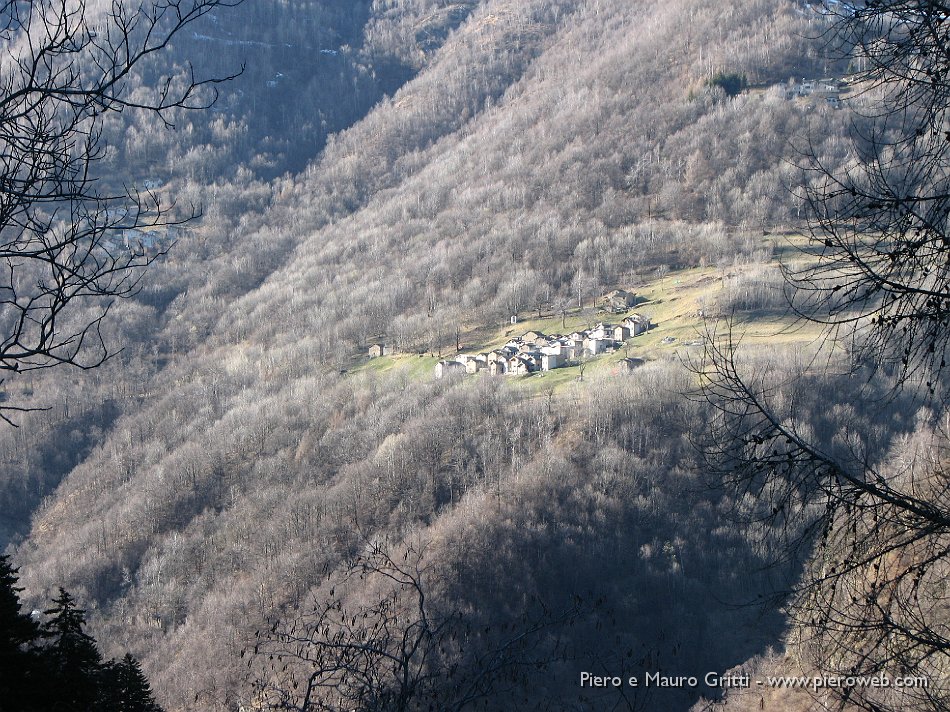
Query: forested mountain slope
[(532, 151)]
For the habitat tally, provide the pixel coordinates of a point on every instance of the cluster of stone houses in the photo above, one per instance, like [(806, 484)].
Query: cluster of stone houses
[(535, 351), (819, 89)]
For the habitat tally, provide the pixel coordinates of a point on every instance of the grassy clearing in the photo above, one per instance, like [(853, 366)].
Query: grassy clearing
[(675, 303), (414, 365)]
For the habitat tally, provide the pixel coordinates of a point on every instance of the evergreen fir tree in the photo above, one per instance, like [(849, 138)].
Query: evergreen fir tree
[(20, 671), (75, 661), (58, 666), (126, 689)]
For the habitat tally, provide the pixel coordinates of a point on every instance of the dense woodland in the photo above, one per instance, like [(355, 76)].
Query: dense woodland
[(408, 171)]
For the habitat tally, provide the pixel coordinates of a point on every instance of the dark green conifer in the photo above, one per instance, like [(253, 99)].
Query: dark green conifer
[(57, 666), (74, 659), (126, 689), (19, 635)]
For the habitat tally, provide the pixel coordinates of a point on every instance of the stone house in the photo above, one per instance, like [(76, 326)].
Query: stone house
[(377, 350), (594, 346), (445, 368), (637, 323), (619, 300), (522, 366), (551, 361)]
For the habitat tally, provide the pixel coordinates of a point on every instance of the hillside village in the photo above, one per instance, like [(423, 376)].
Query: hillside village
[(535, 351)]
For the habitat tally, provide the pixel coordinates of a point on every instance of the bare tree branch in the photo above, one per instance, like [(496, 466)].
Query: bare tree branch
[(65, 245), (399, 653)]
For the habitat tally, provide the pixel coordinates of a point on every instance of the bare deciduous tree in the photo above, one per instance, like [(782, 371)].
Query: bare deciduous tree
[(875, 519), (881, 223), (400, 653), (73, 240)]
